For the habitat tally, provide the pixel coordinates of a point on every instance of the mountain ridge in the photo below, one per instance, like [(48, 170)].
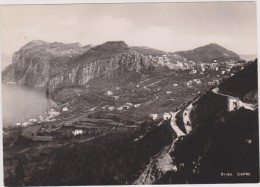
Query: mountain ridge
[(54, 65)]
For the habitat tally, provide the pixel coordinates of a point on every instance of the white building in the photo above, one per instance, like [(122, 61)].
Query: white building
[(233, 104), (111, 108), (105, 107), (193, 71), (198, 81), (25, 124), (174, 85), (166, 116), (216, 81), (153, 116), (137, 105), (109, 93), (53, 113), (18, 124), (120, 108), (215, 90), (160, 59), (32, 120), (65, 109), (77, 132), (189, 84), (168, 92)]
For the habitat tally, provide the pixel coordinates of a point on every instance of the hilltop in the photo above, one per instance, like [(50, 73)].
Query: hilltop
[(209, 53)]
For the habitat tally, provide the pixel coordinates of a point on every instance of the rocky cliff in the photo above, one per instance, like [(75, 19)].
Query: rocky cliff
[(54, 65)]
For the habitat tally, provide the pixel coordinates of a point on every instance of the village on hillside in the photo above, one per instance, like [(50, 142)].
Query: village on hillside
[(156, 98)]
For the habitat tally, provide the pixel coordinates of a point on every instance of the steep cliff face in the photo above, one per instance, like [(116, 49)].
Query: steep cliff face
[(33, 64), (40, 64)]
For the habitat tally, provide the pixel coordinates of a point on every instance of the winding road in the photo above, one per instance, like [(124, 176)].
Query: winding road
[(146, 88), (174, 125)]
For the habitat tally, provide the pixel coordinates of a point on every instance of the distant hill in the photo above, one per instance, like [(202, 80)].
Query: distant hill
[(209, 53)]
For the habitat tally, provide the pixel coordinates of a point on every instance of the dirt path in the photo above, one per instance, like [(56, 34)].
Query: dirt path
[(156, 96)]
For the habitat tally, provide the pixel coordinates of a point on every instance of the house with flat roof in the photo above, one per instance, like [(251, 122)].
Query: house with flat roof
[(166, 116), (153, 116)]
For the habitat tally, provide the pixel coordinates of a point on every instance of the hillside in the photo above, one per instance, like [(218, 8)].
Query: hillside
[(242, 82), (56, 65), (222, 147), (127, 147), (209, 53)]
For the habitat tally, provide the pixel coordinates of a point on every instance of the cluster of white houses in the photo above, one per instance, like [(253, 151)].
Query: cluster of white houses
[(77, 132), (51, 113), (191, 83), (161, 60), (111, 94), (186, 64), (72, 51), (165, 116), (194, 82), (125, 106)]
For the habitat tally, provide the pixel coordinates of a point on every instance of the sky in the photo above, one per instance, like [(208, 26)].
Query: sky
[(165, 26)]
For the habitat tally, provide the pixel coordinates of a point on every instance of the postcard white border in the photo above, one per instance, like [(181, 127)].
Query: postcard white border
[(38, 2)]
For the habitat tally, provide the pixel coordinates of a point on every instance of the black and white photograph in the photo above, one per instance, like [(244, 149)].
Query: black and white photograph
[(129, 93)]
